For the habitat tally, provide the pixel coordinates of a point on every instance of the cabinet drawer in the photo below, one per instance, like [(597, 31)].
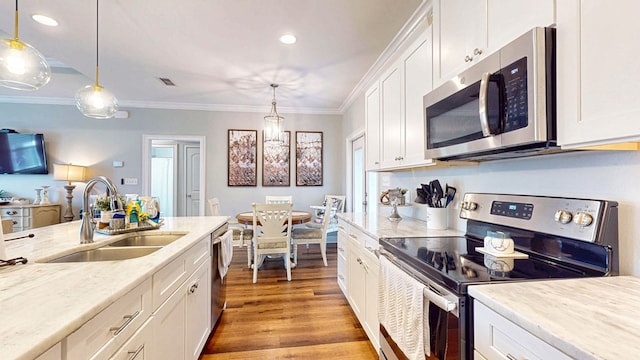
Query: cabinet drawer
[(198, 254), (107, 331), (138, 347), (498, 338), (16, 211), (170, 277)]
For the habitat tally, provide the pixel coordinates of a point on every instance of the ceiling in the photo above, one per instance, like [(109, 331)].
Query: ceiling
[(221, 54)]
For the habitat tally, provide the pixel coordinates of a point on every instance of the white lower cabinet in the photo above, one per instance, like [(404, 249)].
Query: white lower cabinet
[(343, 255), (198, 311), (182, 322), (101, 336), (495, 337), (168, 316), (139, 346), (362, 282)]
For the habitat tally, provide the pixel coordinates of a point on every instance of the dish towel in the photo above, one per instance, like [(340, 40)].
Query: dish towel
[(402, 310), (226, 253)]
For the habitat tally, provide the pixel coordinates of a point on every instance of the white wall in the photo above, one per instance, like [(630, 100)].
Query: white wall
[(72, 138)]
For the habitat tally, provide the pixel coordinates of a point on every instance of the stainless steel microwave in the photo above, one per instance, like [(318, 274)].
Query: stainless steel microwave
[(501, 107)]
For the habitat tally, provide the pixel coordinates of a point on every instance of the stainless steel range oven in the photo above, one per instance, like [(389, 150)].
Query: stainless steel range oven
[(554, 238)]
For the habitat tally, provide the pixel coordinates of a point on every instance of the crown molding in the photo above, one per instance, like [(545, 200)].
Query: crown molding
[(173, 106), (408, 30)]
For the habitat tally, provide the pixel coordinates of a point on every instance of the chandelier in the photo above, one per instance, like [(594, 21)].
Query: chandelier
[(273, 129)]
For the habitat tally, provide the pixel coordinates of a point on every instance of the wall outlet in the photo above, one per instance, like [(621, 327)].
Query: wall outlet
[(130, 181)]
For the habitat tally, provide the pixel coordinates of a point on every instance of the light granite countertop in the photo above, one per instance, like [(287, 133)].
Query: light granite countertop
[(378, 226), (42, 303), (593, 318)]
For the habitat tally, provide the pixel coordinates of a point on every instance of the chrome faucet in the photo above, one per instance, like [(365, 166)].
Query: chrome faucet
[(88, 225)]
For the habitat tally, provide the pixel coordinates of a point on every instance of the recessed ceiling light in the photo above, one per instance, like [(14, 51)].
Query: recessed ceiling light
[(288, 39), (44, 20)]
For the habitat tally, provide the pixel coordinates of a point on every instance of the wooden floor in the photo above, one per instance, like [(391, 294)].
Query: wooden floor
[(306, 318)]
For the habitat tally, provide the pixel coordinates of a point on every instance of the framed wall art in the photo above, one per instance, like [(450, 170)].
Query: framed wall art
[(308, 158), (276, 163), (242, 168)]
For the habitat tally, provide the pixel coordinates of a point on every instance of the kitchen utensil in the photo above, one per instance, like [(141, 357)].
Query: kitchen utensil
[(437, 193), (429, 195), (450, 193), (421, 197)]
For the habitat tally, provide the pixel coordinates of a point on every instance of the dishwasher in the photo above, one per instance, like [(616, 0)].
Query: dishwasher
[(219, 238)]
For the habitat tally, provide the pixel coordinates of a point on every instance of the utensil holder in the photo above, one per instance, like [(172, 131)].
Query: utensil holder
[(437, 218)]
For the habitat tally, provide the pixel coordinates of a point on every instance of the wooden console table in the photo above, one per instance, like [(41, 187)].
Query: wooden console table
[(25, 217)]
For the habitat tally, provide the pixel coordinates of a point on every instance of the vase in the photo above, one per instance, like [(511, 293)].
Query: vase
[(45, 195), (37, 200)]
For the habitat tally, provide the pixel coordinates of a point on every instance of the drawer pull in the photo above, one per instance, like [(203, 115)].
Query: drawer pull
[(128, 320), (193, 288), (340, 277), (511, 357), (341, 249), (134, 354), (12, 212)]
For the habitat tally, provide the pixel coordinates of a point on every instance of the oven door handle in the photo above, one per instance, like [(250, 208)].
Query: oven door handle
[(439, 300)]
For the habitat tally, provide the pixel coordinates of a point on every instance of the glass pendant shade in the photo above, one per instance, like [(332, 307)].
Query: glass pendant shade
[(22, 67), (94, 101), (273, 127), (273, 131)]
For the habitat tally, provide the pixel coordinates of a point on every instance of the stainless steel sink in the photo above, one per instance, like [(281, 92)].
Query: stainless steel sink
[(107, 254), (147, 240)]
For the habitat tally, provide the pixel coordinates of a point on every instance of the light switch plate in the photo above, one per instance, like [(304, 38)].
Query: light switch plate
[(131, 181)]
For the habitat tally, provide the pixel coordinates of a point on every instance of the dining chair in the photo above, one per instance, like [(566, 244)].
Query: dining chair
[(241, 235), (271, 234), (306, 236), (282, 199), (338, 207)]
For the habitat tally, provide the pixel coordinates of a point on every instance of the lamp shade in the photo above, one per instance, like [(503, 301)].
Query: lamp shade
[(68, 172)]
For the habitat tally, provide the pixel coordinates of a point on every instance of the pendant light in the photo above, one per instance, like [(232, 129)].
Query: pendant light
[(273, 129), (22, 67), (95, 101)]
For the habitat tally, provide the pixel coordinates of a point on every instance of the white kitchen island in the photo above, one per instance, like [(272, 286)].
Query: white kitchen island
[(43, 303), (589, 318)]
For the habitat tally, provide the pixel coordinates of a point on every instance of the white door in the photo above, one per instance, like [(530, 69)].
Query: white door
[(164, 176), (358, 187), (191, 180)]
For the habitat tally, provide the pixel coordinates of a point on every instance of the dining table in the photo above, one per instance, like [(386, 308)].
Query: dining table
[(297, 217)]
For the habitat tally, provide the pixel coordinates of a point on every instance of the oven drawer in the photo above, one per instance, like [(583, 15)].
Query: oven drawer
[(495, 337)]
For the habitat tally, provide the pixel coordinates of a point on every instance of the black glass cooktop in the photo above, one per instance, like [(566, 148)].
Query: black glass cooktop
[(455, 263)]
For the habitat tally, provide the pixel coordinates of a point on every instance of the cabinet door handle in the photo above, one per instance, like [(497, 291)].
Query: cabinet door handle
[(193, 288), (477, 51), (468, 58), (128, 320), (340, 249), (134, 354), (341, 277)]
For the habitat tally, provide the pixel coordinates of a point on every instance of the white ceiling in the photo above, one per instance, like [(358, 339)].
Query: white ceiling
[(221, 54)]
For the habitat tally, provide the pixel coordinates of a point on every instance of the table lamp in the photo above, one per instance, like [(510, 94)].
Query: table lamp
[(69, 173)]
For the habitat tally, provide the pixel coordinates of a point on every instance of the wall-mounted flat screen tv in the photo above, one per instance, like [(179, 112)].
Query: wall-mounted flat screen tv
[(22, 153)]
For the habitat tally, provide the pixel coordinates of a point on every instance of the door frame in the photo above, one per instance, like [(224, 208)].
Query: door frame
[(349, 165), (147, 141)]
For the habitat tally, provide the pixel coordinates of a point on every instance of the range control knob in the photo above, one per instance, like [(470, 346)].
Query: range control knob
[(469, 205), (583, 219), (563, 216)]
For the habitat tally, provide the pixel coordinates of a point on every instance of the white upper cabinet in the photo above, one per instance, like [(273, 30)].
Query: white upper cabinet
[(464, 32), (401, 121), (391, 100), (508, 19), (372, 125), (417, 66), (597, 60), (460, 36)]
